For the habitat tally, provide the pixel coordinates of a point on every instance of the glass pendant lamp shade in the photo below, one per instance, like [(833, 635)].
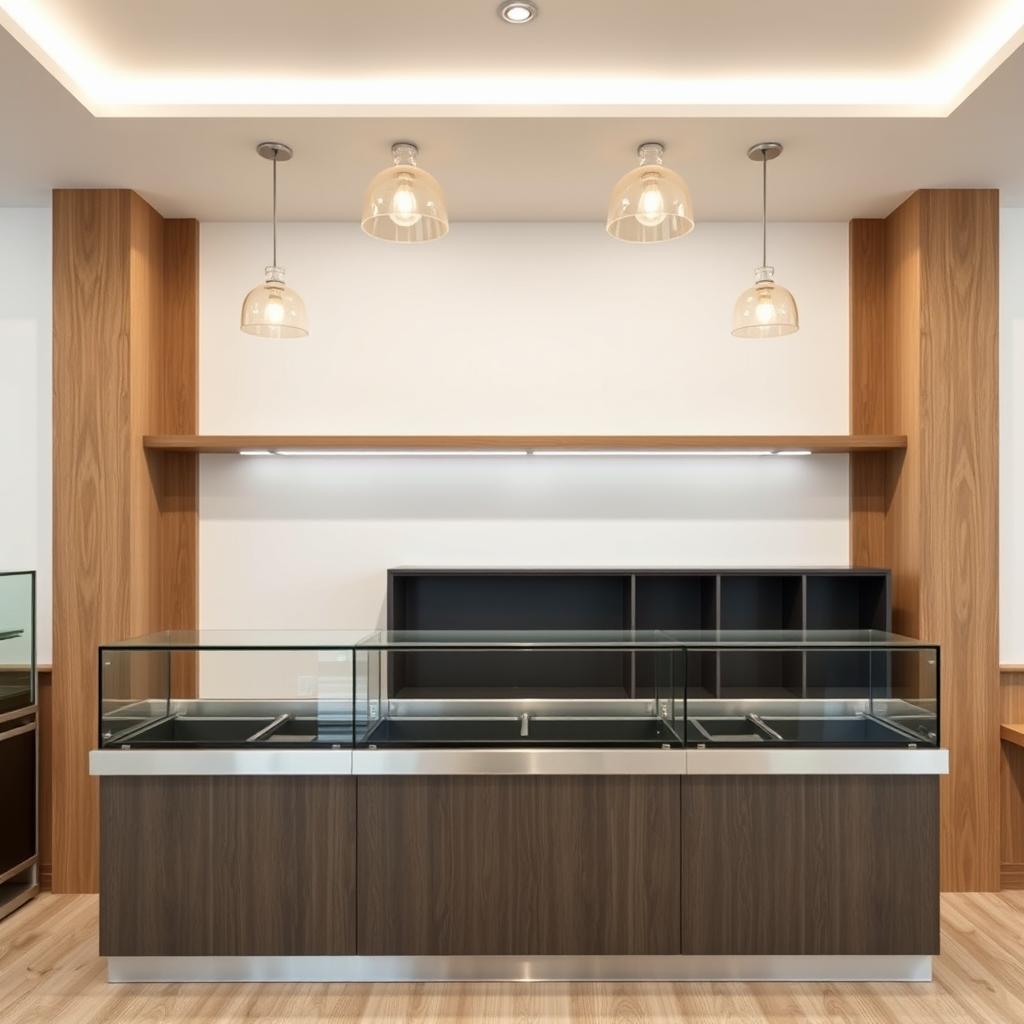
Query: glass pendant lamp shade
[(404, 203), (651, 203), (273, 310), (765, 311)]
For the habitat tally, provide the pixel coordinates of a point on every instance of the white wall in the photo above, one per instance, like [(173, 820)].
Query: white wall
[(501, 328), (528, 328), (25, 405), (1011, 437)]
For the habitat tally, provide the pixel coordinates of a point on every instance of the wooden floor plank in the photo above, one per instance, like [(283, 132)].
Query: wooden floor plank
[(50, 973)]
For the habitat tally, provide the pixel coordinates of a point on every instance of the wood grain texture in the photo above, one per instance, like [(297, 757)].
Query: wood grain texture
[(958, 525), (868, 363), (1012, 734), (174, 475), (869, 493), (1011, 780), (124, 527), (91, 497), (519, 865), (1011, 694), (903, 402), (179, 378), (146, 308), (1012, 876), (228, 866), (50, 971), (939, 379), (233, 443), (810, 865)]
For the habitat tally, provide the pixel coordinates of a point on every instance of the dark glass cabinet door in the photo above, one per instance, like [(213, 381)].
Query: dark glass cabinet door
[(18, 784)]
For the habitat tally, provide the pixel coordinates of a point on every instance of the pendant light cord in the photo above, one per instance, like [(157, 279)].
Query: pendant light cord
[(274, 162), (764, 210)]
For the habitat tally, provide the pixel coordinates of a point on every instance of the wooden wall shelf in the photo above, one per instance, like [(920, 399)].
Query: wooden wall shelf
[(815, 443), (1012, 734)]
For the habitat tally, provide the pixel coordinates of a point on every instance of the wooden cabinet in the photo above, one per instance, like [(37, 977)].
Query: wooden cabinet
[(524, 865), (228, 866), (807, 864), (527, 865)]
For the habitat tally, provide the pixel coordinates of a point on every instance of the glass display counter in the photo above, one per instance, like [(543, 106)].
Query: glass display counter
[(411, 689), (219, 689), (486, 804), (810, 688)]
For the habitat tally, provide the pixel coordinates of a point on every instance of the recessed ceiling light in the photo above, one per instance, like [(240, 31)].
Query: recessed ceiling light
[(518, 12)]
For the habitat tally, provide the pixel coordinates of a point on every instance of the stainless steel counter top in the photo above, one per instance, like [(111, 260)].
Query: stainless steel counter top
[(523, 761)]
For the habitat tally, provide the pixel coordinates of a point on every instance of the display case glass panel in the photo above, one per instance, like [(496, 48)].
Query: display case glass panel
[(811, 688), (519, 688), (229, 688), (17, 642)]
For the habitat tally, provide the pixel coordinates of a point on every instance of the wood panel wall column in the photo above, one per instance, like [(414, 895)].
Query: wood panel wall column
[(924, 362), (124, 364)]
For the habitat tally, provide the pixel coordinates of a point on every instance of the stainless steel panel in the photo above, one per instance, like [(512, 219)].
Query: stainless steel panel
[(739, 708), (860, 761), (512, 968), (249, 761), (517, 707), (552, 761)]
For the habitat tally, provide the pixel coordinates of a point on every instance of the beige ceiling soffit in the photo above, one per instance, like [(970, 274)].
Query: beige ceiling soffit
[(107, 92)]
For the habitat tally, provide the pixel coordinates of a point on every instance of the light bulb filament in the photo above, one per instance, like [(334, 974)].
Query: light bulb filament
[(274, 309), (651, 204), (765, 308), (404, 208)]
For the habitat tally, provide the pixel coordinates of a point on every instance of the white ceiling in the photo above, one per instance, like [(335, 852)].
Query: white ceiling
[(741, 57), (504, 167)]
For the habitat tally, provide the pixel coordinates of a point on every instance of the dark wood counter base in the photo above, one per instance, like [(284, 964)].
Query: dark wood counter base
[(538, 864), (227, 866), (450, 867), (810, 864)]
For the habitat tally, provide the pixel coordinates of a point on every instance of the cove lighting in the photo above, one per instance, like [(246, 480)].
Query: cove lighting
[(675, 453), (660, 452), (110, 90), (376, 452)]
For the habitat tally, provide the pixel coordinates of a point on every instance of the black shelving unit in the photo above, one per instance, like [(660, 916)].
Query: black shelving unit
[(621, 599)]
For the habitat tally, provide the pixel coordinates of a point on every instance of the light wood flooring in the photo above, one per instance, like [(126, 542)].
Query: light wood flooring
[(50, 973)]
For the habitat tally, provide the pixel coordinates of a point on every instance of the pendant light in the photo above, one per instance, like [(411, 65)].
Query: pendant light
[(272, 309), (767, 310), (404, 203), (651, 203)]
